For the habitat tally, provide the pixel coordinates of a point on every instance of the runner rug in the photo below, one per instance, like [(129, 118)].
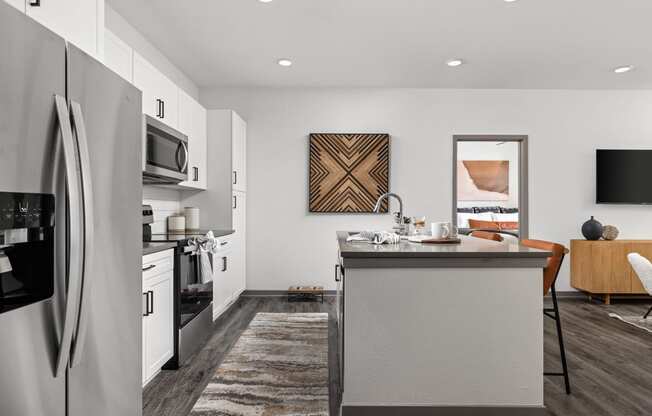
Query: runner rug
[(278, 367)]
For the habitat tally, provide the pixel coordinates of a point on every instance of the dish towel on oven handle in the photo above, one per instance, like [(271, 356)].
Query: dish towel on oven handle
[(206, 248)]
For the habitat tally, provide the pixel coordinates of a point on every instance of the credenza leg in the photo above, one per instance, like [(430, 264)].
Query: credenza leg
[(607, 299)]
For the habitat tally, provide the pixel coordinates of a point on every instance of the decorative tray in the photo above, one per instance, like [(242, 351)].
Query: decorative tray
[(426, 239)]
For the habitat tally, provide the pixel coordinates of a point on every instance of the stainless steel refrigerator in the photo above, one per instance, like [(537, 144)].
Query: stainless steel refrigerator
[(70, 229)]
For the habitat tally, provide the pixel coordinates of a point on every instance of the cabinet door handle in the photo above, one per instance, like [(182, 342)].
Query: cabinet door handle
[(35, 3), (337, 273), (224, 263), (158, 108), (146, 294), (162, 109), (150, 267), (235, 201), (196, 173), (151, 302), (235, 177)]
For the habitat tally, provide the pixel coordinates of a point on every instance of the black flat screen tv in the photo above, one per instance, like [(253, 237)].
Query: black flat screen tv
[(624, 176)]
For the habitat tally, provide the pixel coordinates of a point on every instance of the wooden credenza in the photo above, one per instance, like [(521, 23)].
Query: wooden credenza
[(601, 267)]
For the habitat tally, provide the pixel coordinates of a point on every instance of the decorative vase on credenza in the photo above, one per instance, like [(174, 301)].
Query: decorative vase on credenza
[(592, 229)]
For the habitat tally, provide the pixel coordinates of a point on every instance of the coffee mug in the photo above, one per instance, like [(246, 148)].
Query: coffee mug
[(440, 230)]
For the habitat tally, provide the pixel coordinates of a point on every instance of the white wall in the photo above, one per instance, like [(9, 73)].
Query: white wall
[(287, 245), (132, 37), (492, 151)]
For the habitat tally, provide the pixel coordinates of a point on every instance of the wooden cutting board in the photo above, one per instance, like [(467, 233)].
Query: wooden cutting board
[(441, 241)]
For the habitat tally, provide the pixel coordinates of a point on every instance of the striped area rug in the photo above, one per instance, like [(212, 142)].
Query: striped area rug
[(278, 367)]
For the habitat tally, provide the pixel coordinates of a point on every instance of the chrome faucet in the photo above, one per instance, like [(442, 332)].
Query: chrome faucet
[(400, 227)]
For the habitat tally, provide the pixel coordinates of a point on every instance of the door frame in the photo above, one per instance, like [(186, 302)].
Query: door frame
[(523, 177)]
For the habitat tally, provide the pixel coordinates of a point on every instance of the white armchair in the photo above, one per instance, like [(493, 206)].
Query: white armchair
[(643, 269)]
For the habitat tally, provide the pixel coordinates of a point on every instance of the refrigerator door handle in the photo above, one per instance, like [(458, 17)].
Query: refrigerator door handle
[(89, 233), (76, 233)]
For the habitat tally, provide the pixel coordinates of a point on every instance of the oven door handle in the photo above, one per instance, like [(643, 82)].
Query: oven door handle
[(76, 233)]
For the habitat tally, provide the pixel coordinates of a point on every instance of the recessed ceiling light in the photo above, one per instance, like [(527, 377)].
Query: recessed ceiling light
[(623, 69), (506, 1), (454, 62), (285, 62), (265, 1)]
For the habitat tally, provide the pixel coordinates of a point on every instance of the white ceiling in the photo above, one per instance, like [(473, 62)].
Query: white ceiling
[(402, 43)]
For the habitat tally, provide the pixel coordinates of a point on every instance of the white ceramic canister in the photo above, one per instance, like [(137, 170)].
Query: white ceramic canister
[(192, 218), (176, 224)]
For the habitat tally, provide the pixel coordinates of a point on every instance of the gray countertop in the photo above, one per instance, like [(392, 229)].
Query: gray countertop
[(472, 252), (150, 248), (160, 242)]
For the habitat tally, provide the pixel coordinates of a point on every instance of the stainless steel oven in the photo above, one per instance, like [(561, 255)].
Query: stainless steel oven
[(165, 153)]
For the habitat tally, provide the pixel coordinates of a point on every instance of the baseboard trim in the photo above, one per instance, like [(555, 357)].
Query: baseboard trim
[(443, 411), (277, 293)]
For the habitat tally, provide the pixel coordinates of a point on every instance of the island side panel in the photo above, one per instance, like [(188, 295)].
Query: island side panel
[(444, 337)]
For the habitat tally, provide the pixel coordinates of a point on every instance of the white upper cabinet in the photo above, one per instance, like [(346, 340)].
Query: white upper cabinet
[(192, 122), (19, 4), (80, 22), (239, 153), (160, 95), (118, 56)]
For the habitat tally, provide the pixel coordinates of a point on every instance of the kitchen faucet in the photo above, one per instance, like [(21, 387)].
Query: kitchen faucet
[(400, 227)]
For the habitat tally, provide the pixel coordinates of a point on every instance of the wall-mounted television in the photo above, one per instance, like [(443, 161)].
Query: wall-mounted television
[(623, 176)]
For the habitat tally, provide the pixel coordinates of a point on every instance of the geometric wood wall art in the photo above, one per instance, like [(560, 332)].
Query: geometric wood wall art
[(348, 172)]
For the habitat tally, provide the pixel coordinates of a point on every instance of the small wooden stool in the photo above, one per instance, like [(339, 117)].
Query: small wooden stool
[(305, 293)]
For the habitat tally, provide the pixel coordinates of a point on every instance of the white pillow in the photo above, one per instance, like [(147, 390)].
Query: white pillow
[(464, 217), (498, 217)]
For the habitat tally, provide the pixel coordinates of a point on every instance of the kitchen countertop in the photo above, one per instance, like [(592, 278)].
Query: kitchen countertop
[(160, 242), (182, 237), (472, 252), (150, 248)]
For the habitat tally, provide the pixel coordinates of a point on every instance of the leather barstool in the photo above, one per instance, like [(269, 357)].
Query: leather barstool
[(550, 273)]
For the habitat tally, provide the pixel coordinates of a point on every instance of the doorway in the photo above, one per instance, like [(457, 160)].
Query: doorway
[(490, 184)]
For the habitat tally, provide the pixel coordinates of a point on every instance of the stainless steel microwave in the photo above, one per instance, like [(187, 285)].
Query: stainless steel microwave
[(165, 153)]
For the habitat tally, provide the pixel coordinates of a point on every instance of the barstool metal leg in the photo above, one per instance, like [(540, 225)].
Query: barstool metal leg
[(647, 313), (560, 337)]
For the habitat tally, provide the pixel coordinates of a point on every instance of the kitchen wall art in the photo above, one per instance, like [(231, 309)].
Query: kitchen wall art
[(348, 172)]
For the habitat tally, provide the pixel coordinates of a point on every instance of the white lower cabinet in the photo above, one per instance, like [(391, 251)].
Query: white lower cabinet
[(222, 277), (239, 248), (158, 318), (228, 275)]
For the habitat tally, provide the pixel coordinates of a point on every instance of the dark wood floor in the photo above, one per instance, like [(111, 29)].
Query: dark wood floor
[(610, 362)]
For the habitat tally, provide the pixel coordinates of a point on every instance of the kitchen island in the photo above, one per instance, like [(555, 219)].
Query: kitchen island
[(441, 329)]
